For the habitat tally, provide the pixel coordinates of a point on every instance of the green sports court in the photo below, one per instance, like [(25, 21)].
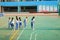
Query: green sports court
[(45, 28), (47, 19)]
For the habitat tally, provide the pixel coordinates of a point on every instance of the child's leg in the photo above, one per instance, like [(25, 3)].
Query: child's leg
[(24, 25), (12, 26), (32, 25), (16, 26), (20, 25), (9, 25)]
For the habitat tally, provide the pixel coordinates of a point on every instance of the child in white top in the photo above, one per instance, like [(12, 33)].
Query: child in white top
[(20, 22), (25, 22), (12, 22), (9, 22), (32, 22), (17, 23)]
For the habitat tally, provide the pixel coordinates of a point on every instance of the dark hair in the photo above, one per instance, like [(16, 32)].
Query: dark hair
[(12, 19), (9, 18), (16, 17), (20, 18), (26, 17), (33, 17)]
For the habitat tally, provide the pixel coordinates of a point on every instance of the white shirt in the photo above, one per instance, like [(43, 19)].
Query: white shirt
[(9, 20), (20, 21), (13, 21), (17, 21), (26, 20), (33, 20)]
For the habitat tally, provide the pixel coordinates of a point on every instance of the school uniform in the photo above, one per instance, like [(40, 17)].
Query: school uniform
[(20, 24), (32, 23), (12, 24), (25, 23), (17, 24), (9, 23)]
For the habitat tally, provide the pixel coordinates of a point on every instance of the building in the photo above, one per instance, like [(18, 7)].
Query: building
[(29, 5)]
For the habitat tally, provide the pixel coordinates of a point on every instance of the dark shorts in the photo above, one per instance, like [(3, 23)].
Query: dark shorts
[(16, 26), (31, 24), (12, 24), (20, 24)]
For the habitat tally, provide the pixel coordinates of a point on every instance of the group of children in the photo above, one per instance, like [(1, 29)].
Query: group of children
[(18, 22)]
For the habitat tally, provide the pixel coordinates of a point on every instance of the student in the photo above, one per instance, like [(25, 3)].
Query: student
[(17, 23), (20, 22), (12, 22), (25, 22), (9, 22), (32, 22)]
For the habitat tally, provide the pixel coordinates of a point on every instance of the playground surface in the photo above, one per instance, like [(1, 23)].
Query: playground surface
[(46, 28)]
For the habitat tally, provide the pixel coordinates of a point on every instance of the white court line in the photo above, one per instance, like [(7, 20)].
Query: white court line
[(31, 35), (11, 32), (35, 36), (20, 34)]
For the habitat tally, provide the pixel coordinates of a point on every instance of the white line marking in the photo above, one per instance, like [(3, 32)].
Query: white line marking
[(20, 34), (31, 35), (35, 36), (11, 32)]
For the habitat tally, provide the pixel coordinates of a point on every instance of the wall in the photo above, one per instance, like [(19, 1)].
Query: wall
[(31, 3), (48, 8), (0, 9)]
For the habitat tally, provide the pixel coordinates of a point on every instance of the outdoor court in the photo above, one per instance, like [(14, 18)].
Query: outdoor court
[(45, 28)]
